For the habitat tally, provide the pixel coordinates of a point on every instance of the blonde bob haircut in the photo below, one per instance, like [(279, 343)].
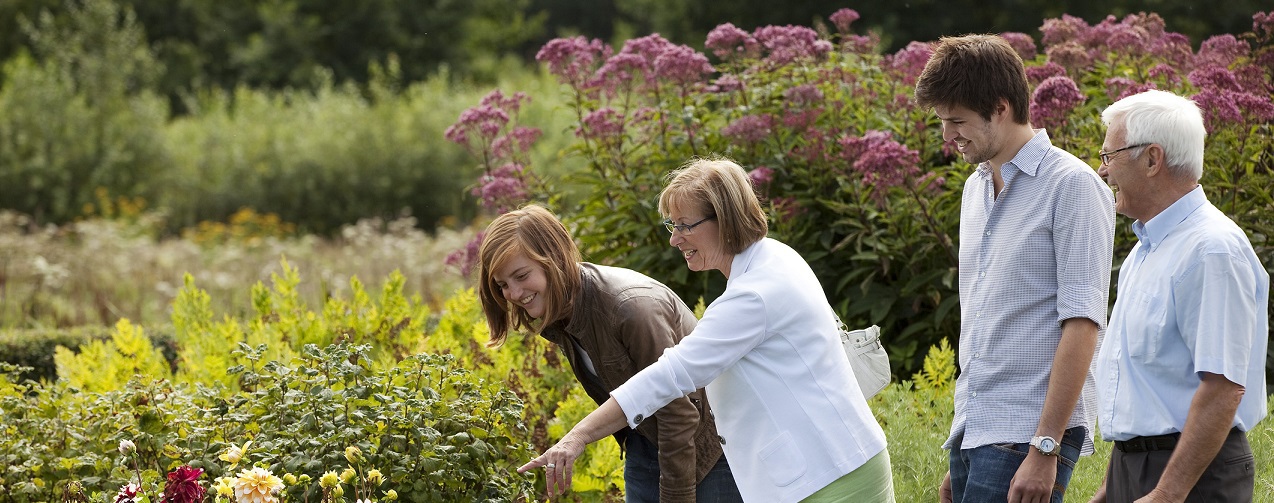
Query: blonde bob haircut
[(536, 233), (717, 186)]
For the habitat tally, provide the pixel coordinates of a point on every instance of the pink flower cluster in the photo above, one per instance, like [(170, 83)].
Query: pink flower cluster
[(843, 18), (804, 95), (503, 188), (788, 44), (908, 62), (1072, 43), (1052, 100), (602, 124), (749, 129), (465, 259), (1221, 50), (485, 132), (573, 60), (1225, 99), (1037, 74), (1263, 26), (881, 161), (761, 176), (1022, 43), (728, 42), (652, 57), (682, 65), (1118, 88)]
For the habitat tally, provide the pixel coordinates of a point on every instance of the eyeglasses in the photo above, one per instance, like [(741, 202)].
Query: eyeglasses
[(686, 229), (1107, 156)]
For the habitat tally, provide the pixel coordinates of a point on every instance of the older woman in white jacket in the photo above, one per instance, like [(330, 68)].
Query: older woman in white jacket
[(793, 423)]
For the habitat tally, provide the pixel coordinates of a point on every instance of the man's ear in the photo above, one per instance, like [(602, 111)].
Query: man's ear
[(1155, 158)]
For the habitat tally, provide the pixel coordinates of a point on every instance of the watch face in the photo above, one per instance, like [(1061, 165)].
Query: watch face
[(1047, 444)]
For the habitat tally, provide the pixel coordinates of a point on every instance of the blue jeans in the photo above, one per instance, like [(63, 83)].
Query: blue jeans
[(641, 476), (984, 473)]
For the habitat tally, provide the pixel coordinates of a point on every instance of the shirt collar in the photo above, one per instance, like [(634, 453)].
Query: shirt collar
[(1153, 232), (1028, 158)]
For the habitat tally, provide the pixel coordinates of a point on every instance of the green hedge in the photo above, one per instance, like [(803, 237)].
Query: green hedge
[(33, 348)]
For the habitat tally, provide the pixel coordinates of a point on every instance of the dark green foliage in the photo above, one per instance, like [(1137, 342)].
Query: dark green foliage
[(33, 348)]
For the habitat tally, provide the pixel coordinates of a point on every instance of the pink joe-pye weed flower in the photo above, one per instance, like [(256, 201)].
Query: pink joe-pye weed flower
[(1225, 98), (601, 124), (1038, 74), (881, 161), (1053, 100), (464, 260), (573, 60), (682, 65), (787, 44), (749, 129), (1118, 88), (843, 18), (908, 62), (1062, 30), (1221, 50), (1173, 49), (804, 95), (1021, 43), (761, 176), (728, 43), (1164, 73), (502, 189), (1263, 25), (1070, 55)]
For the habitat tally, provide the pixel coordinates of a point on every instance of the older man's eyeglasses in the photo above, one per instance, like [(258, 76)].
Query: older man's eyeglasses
[(685, 229), (1107, 156)]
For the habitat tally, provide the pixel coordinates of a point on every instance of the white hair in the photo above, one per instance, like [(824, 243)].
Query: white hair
[(1171, 121)]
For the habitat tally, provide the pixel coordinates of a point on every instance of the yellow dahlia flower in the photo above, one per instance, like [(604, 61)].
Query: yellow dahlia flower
[(257, 485)]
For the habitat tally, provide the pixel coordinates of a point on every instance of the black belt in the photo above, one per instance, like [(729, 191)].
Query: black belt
[(1147, 444)]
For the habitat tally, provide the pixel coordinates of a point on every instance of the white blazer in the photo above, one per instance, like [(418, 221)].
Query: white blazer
[(787, 406)]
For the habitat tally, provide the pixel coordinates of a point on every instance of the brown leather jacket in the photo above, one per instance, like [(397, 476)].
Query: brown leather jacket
[(624, 320)]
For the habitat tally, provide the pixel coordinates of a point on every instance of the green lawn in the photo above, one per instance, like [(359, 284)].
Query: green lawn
[(916, 426)]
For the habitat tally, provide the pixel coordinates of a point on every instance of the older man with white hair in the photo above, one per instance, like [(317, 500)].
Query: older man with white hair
[(1188, 333)]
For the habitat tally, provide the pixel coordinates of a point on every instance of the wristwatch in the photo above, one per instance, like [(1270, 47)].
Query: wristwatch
[(1046, 445)]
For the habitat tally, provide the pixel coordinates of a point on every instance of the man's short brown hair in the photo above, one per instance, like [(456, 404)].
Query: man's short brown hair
[(975, 72)]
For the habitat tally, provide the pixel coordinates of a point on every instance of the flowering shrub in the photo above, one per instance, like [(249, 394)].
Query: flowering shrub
[(425, 429), (855, 176)]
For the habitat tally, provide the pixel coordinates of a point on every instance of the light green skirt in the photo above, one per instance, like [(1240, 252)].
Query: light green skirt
[(871, 483)]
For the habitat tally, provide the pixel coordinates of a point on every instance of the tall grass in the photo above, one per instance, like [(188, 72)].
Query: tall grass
[(97, 271)]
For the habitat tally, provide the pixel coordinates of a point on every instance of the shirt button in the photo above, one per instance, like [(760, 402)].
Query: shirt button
[(975, 394), (988, 233), (722, 440), (638, 418)]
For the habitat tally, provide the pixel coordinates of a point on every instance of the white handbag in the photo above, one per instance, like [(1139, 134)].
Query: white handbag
[(867, 357)]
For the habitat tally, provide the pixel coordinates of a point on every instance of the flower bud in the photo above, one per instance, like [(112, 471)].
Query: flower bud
[(353, 454), (329, 480), (127, 447), (374, 477)]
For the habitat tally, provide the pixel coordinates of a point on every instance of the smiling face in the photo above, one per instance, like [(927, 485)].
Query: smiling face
[(701, 247), (523, 282), (1126, 175), (975, 138)]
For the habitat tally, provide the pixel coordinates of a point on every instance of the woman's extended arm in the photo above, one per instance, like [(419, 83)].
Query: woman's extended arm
[(559, 460)]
